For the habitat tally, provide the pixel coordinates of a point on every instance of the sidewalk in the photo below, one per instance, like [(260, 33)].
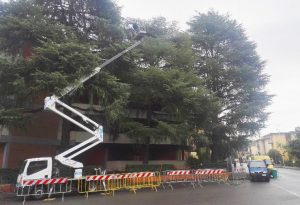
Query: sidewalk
[(4, 195)]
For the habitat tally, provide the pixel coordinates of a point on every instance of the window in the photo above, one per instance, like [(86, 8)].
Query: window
[(36, 166), (23, 167), (257, 164)]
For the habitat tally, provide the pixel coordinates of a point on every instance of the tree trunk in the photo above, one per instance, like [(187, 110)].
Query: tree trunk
[(215, 152), (147, 149), (147, 139)]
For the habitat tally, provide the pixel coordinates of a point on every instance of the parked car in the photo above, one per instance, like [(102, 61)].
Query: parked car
[(258, 170)]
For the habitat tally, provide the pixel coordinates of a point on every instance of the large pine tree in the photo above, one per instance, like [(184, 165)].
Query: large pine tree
[(166, 89), (232, 70)]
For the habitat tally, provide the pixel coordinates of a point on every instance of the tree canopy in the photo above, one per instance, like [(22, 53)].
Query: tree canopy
[(204, 86), (41, 54), (232, 70), (293, 146)]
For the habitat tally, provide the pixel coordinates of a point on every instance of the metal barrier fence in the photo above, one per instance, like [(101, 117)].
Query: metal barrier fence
[(39, 188), (170, 177), (211, 175), (112, 182), (109, 183), (239, 174), (194, 177)]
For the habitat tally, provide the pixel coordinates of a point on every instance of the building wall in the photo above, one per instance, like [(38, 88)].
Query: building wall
[(19, 152), (120, 165), (271, 141), (43, 133), (1, 153), (80, 136), (278, 142), (43, 125), (38, 139), (105, 154), (253, 148), (95, 156)]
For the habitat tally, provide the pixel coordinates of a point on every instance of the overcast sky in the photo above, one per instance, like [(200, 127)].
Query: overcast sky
[(273, 24)]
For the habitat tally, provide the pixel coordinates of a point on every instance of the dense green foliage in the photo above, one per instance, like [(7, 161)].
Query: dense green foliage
[(233, 72), (205, 87), (293, 146), (275, 155), (45, 47)]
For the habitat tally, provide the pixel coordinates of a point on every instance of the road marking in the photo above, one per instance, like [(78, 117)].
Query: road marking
[(291, 192)]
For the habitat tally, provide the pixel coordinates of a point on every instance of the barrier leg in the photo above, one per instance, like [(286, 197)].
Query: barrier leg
[(154, 188), (24, 200), (170, 185), (104, 185), (193, 184), (199, 183), (50, 191), (133, 190)]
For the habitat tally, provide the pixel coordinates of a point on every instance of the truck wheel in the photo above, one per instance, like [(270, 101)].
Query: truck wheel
[(38, 193), (92, 186), (268, 179)]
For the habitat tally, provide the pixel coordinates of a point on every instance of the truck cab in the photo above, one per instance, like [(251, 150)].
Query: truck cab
[(35, 168)]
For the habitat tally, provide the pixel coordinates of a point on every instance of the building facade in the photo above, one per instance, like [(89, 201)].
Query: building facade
[(42, 136), (270, 141)]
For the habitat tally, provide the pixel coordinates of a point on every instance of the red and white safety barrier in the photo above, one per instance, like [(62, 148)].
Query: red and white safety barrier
[(32, 182), (179, 172), (97, 177), (138, 175), (119, 176), (209, 171)]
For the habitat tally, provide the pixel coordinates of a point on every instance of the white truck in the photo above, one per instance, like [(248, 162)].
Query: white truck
[(43, 167)]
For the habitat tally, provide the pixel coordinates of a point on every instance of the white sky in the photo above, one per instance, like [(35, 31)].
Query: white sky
[(273, 24)]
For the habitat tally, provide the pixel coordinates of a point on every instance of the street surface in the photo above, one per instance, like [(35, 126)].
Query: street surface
[(282, 191)]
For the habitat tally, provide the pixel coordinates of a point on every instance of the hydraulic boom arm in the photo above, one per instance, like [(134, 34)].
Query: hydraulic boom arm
[(50, 103)]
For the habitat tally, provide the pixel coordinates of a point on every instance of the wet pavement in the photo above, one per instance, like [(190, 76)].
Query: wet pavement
[(282, 191)]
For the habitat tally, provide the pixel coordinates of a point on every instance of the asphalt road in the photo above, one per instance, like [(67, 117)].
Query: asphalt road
[(282, 191)]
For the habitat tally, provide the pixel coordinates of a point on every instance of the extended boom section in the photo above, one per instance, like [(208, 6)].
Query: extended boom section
[(50, 103), (29, 170), (97, 132)]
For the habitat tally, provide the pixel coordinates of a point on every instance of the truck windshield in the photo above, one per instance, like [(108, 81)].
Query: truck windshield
[(257, 164), (23, 167)]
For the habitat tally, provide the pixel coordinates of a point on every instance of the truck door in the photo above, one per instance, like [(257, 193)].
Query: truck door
[(38, 169)]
